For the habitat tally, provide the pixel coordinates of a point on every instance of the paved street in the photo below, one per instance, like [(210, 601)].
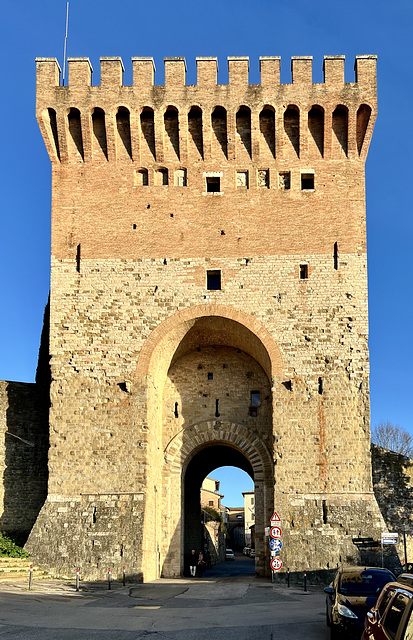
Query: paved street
[(219, 606)]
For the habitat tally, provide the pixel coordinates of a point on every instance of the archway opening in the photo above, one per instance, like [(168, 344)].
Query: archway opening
[(210, 526)]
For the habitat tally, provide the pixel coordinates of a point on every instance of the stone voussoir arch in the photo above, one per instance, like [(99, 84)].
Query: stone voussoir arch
[(171, 325), (185, 444)]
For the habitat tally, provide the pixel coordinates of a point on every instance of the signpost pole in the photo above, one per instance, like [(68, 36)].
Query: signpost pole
[(405, 550)]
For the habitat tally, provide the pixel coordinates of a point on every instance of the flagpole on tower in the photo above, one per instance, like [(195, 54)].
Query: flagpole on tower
[(65, 45)]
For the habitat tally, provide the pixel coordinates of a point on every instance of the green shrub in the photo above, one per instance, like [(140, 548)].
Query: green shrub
[(8, 549)]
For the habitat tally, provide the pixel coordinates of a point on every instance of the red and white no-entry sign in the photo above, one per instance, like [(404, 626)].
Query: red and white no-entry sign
[(275, 532), (276, 564)]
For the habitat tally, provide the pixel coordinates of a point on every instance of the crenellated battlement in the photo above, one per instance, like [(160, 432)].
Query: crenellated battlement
[(147, 122), (112, 69)]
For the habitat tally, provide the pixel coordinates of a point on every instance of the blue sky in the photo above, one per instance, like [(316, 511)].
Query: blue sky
[(191, 29)]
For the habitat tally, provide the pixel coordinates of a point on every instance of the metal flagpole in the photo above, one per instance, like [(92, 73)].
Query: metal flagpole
[(65, 45)]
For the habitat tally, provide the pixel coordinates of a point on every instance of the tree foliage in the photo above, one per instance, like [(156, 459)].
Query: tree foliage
[(9, 549), (391, 436)]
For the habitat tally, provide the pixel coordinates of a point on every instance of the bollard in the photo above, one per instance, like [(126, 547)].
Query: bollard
[(77, 579), (305, 580), (30, 576), (288, 578), (109, 579), (124, 576)]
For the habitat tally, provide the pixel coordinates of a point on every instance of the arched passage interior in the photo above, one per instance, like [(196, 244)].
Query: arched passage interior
[(201, 465)]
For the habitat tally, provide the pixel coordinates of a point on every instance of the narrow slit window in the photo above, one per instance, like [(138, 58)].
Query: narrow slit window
[(176, 410), (320, 386), (303, 271), (335, 255), (255, 399), (180, 178), (213, 185), (210, 376), (214, 280), (307, 181), (217, 414)]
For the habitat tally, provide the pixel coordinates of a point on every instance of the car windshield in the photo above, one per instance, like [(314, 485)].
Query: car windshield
[(366, 583)]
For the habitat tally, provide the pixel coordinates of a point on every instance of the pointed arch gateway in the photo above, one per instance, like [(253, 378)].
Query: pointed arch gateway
[(201, 367)]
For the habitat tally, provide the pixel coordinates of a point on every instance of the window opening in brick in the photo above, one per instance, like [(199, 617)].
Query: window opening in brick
[(217, 414), (210, 376), (134, 226), (75, 130), (264, 178), (242, 179), (292, 127), (211, 503), (180, 178), (307, 181), (78, 258), (162, 177), (267, 129), (148, 130), (320, 386), (123, 127), (99, 145), (214, 280), (53, 128), (141, 178), (195, 129), (284, 180), (303, 271), (255, 399), (363, 118), (176, 410), (316, 128), (213, 184), (243, 130), (324, 512), (94, 515), (335, 255), (340, 130), (171, 123), (219, 129)]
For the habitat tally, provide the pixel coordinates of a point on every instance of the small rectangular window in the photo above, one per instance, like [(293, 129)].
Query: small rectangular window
[(141, 178), (242, 179), (284, 180), (214, 280), (180, 178), (211, 503), (264, 178), (303, 271), (213, 184), (210, 376), (307, 181), (255, 399)]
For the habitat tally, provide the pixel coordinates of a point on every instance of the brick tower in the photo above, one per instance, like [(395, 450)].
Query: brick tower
[(208, 307)]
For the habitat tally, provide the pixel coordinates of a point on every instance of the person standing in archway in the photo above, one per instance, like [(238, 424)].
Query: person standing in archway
[(193, 563), (201, 564)]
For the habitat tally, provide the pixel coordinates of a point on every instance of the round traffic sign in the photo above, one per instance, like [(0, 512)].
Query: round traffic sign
[(275, 532), (276, 544), (276, 564)]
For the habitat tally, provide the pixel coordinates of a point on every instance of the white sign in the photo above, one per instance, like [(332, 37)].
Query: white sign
[(267, 532), (275, 518), (389, 538), (276, 564)]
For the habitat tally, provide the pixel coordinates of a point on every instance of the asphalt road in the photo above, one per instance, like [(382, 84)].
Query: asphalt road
[(229, 603)]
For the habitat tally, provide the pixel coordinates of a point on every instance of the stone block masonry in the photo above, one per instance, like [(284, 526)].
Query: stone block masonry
[(208, 307)]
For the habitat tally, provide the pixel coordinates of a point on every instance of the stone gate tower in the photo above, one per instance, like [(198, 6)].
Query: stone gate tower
[(208, 308)]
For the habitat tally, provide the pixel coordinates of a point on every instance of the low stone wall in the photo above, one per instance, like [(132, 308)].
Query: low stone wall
[(393, 488), (24, 444)]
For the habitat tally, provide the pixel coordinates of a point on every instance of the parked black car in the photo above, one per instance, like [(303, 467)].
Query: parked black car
[(353, 592)]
